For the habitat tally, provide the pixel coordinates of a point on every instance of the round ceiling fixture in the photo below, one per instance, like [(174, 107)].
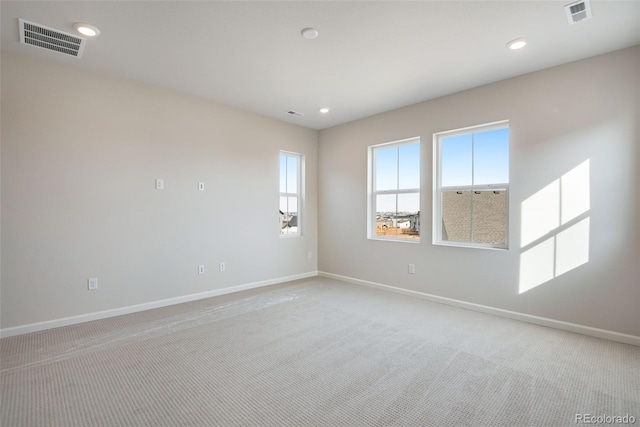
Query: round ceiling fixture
[(86, 29), (309, 33), (517, 44), (324, 110)]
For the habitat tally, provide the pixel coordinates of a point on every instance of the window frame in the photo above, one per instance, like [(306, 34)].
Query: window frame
[(299, 194), (438, 190), (372, 192)]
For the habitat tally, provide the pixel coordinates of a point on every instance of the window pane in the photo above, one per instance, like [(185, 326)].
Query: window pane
[(284, 216), (288, 215), (283, 174), (491, 157), (290, 192), (489, 216), (456, 216), (456, 160), (386, 215), (292, 174), (283, 205), (409, 215), (408, 203), (409, 176), (386, 167), (292, 205)]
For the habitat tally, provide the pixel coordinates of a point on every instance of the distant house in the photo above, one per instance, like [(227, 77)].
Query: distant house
[(288, 221), (414, 221)]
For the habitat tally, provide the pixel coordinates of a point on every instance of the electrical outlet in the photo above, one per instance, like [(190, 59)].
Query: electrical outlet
[(201, 269), (159, 184), (201, 186), (412, 269), (93, 283), (309, 255), (222, 266)]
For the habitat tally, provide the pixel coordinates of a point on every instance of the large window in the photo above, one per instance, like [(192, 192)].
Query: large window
[(471, 176), (291, 195), (394, 191)]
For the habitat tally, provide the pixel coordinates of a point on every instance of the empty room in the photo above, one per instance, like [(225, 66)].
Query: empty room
[(320, 213)]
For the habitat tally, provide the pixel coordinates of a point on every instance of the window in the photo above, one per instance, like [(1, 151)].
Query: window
[(471, 176), (291, 172), (394, 196)]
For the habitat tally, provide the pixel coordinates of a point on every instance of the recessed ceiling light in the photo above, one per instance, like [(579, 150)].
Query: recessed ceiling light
[(324, 110), (309, 33), (517, 44), (86, 29)]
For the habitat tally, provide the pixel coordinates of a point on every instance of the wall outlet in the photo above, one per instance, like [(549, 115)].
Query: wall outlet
[(201, 269), (93, 283), (309, 255), (201, 186), (222, 266), (159, 184), (412, 269)]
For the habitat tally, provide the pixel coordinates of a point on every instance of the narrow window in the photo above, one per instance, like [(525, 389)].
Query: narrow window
[(394, 191), (291, 170), (471, 176)]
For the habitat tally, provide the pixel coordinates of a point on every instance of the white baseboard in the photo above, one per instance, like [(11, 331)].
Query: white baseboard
[(50, 324), (543, 321)]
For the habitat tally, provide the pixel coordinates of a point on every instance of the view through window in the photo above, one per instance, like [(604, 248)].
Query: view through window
[(394, 208), (290, 193), (472, 186)]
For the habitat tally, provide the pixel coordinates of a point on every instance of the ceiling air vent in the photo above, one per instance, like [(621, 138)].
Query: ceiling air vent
[(578, 11), (294, 113), (51, 39)]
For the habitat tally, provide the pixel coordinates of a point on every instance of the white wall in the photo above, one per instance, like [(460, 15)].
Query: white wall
[(559, 118), (81, 151), (80, 155)]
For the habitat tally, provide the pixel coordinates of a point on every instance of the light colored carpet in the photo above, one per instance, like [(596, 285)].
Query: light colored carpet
[(313, 353)]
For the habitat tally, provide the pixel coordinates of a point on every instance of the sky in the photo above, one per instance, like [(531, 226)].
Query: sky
[(471, 159), (288, 182), (484, 153), (406, 159)]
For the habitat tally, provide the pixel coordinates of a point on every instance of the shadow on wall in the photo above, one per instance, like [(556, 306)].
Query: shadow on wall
[(555, 228)]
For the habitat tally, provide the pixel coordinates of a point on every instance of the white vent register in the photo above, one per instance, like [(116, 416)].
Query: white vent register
[(51, 39), (578, 11)]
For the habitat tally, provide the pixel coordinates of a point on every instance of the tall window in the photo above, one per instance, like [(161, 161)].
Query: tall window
[(394, 196), (291, 166), (471, 176)]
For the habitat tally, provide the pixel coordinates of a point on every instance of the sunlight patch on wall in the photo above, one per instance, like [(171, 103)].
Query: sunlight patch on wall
[(555, 229), (572, 247), (575, 192), (540, 213), (537, 265)]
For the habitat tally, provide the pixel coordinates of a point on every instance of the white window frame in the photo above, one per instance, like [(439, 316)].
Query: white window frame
[(372, 193), (299, 194), (438, 189)]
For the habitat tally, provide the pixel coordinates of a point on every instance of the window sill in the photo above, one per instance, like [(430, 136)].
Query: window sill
[(391, 239), (471, 245)]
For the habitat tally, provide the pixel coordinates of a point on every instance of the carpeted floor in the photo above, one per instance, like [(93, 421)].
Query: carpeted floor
[(313, 353)]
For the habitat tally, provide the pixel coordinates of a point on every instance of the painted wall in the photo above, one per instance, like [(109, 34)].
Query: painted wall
[(80, 155), (81, 152), (573, 126)]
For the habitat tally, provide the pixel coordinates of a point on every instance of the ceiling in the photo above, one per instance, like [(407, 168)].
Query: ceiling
[(369, 57)]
